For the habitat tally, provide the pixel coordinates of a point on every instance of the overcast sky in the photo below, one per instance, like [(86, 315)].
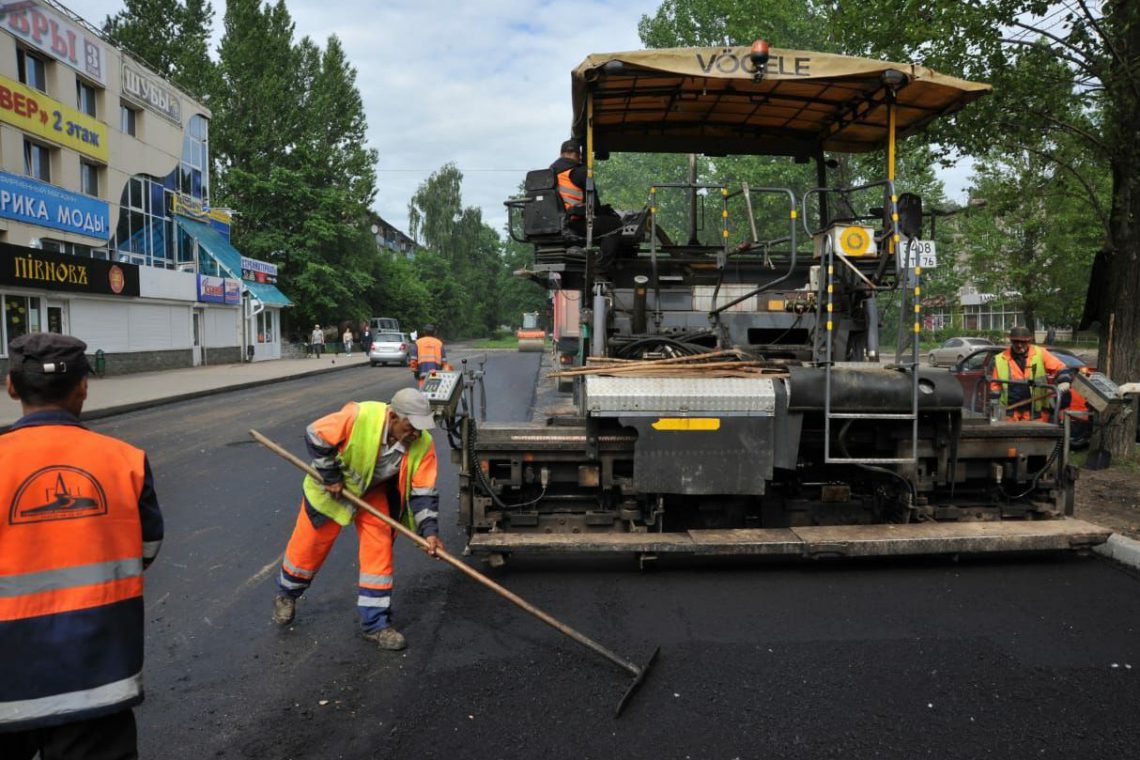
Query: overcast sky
[(481, 83)]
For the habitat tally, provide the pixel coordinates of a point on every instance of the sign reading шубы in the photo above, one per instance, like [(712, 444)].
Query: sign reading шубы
[(47, 31), (145, 91), (46, 270), (28, 200), (32, 111)]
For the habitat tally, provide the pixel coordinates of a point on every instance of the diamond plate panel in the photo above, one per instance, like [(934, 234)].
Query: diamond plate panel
[(628, 396)]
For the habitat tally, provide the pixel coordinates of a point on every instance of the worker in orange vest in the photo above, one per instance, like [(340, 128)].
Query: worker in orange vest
[(570, 173), (427, 354), (82, 523), (1020, 374)]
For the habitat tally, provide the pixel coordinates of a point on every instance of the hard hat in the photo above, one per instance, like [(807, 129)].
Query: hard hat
[(1018, 332)]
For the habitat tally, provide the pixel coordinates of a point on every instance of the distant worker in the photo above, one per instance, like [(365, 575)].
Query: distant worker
[(317, 341), (1019, 375), (570, 173), (82, 522), (427, 354), (384, 454), (347, 340)]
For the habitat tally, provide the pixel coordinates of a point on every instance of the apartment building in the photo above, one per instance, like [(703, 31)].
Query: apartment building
[(107, 232)]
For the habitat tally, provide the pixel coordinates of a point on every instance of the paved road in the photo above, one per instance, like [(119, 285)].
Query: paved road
[(995, 657)]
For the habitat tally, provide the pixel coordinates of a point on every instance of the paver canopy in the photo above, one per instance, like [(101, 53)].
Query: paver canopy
[(706, 100)]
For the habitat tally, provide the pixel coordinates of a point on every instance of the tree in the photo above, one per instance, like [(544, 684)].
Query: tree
[(1065, 87), (170, 36), (465, 265), (288, 138)]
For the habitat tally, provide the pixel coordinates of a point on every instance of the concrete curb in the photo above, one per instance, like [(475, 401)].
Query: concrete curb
[(111, 411), (1120, 549)]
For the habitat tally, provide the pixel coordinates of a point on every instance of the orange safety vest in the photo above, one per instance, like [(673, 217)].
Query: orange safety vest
[(429, 350), (572, 195), (71, 575)]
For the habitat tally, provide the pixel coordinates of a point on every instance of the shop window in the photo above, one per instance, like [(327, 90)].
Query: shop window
[(71, 249), (85, 97), (32, 69), (37, 160), (89, 177), (128, 120), (21, 316)]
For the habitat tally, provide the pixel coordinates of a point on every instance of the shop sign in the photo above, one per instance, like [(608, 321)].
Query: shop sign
[(218, 290), (63, 40), (148, 93), (28, 200), (253, 270), (35, 113), (218, 218), (46, 270)]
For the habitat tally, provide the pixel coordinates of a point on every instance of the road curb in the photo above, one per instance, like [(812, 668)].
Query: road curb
[(1120, 549), (134, 406)]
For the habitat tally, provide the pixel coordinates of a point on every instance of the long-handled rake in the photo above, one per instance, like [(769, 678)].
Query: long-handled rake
[(638, 673)]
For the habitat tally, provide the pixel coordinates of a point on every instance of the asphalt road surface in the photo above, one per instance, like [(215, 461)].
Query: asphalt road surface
[(994, 657)]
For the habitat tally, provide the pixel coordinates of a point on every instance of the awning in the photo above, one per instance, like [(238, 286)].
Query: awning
[(229, 260), (706, 100)]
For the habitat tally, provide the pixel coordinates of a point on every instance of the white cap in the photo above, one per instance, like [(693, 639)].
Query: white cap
[(414, 405)]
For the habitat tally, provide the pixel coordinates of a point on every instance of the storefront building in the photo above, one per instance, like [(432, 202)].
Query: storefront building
[(106, 228)]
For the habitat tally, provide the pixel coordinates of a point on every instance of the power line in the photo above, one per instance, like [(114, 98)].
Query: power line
[(513, 171)]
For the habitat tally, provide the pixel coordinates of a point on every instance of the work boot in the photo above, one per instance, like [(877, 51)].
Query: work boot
[(284, 608), (387, 638)]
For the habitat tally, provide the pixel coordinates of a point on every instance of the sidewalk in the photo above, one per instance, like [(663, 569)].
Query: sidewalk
[(124, 393)]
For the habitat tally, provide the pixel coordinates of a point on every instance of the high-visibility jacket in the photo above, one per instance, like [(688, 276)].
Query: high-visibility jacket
[(1039, 364), (573, 197), (81, 521), (353, 436), (428, 355)]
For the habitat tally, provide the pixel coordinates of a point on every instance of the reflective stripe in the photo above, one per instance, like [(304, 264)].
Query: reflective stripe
[(294, 570), (375, 580), (69, 577), (432, 491), (380, 602), (425, 514), (284, 582), (72, 702), (150, 549)]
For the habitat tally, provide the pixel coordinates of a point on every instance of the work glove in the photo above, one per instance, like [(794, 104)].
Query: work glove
[(1063, 387)]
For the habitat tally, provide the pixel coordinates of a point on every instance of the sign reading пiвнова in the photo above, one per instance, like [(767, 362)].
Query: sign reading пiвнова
[(28, 200), (45, 270)]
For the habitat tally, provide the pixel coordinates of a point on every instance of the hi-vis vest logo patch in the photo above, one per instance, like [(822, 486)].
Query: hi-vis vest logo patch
[(57, 493)]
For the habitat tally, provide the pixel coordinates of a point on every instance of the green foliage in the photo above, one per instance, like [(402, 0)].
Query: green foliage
[(170, 36), (288, 137), (464, 268)]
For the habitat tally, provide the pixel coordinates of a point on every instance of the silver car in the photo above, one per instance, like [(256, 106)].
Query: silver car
[(955, 350), (389, 348)]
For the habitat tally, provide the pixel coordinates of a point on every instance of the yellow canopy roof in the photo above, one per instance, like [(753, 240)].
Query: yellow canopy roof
[(705, 100)]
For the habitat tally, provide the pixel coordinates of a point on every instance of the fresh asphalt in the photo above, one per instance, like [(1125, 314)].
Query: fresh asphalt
[(993, 656)]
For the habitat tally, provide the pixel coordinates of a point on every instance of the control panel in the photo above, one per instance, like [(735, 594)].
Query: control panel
[(442, 388), (1099, 391)]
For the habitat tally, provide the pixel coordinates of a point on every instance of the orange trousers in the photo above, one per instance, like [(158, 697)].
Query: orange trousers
[(310, 545)]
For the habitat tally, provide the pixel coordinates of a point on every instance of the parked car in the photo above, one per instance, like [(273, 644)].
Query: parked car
[(955, 350), (974, 370), (389, 348)]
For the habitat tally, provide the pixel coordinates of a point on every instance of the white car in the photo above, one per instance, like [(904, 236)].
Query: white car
[(389, 348), (955, 350)]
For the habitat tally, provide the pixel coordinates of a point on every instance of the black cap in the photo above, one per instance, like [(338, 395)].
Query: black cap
[(571, 146), (48, 354), (1019, 332)]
